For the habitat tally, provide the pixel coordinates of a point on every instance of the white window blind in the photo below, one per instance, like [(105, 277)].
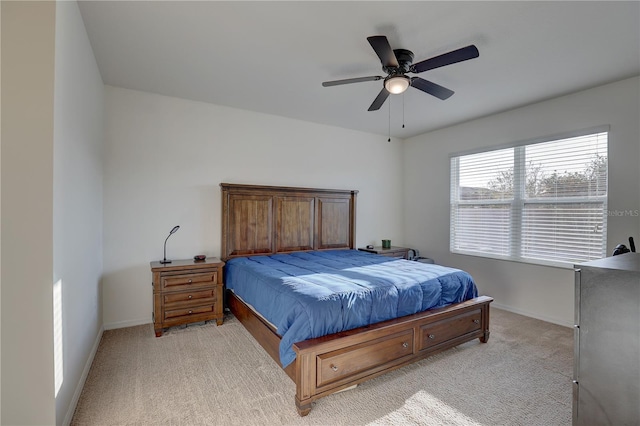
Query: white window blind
[(543, 201)]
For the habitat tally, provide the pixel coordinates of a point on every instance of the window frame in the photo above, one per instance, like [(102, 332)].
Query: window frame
[(519, 200)]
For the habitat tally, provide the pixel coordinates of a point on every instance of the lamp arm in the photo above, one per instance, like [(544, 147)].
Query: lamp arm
[(165, 247), (164, 260)]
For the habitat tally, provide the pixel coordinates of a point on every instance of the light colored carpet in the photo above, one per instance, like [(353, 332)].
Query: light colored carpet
[(209, 375)]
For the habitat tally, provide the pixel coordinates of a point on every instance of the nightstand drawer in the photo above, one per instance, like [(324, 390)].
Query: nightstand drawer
[(190, 297), (191, 311), (397, 252), (188, 281)]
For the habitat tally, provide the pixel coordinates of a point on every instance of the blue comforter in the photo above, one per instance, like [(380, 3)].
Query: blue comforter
[(311, 294)]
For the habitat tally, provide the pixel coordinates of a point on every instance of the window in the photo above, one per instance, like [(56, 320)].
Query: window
[(542, 201)]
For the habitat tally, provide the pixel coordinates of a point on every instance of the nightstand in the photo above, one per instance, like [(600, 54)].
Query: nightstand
[(399, 252), (186, 291)]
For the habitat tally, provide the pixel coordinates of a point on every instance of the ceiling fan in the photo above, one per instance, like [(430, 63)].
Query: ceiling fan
[(398, 62)]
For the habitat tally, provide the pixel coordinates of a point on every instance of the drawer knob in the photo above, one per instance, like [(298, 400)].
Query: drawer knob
[(334, 368), (190, 312), (190, 297), (432, 336), (190, 281), (405, 345), (476, 321)]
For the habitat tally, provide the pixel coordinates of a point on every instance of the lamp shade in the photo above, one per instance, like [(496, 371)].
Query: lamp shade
[(397, 84)]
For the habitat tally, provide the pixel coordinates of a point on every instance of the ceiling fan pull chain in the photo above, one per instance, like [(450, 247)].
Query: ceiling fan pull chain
[(403, 110), (389, 128)]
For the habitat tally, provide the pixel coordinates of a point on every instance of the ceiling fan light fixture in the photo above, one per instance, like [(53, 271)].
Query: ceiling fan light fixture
[(397, 84)]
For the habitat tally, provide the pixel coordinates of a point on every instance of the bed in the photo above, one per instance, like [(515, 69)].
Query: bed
[(307, 236)]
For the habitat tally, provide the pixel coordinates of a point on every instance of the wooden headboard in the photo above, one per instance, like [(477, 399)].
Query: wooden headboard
[(258, 220)]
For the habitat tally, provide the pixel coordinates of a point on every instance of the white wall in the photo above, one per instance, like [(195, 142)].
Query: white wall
[(165, 158), (28, 32), (77, 201), (0, 216), (538, 291)]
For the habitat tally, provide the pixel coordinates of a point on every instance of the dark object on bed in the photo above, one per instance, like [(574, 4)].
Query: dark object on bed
[(266, 220)]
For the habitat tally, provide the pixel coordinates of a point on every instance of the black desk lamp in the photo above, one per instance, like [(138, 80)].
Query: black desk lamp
[(164, 260)]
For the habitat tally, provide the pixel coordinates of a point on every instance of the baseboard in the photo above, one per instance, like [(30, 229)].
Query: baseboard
[(83, 378), (531, 314), (129, 323)]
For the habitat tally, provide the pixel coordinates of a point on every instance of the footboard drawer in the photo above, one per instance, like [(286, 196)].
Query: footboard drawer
[(441, 331), (336, 365)]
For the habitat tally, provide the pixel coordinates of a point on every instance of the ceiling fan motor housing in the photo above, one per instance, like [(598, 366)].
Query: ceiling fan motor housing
[(405, 59)]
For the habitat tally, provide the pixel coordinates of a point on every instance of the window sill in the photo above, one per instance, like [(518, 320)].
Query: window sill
[(538, 262)]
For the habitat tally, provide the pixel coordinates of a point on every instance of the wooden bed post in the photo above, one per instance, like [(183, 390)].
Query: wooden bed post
[(485, 322), (305, 368)]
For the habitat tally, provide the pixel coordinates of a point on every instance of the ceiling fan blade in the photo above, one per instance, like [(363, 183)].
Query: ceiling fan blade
[(384, 51), (351, 80), (431, 88), (379, 100), (452, 57)]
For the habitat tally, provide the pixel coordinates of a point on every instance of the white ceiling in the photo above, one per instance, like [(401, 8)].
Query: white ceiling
[(272, 57)]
